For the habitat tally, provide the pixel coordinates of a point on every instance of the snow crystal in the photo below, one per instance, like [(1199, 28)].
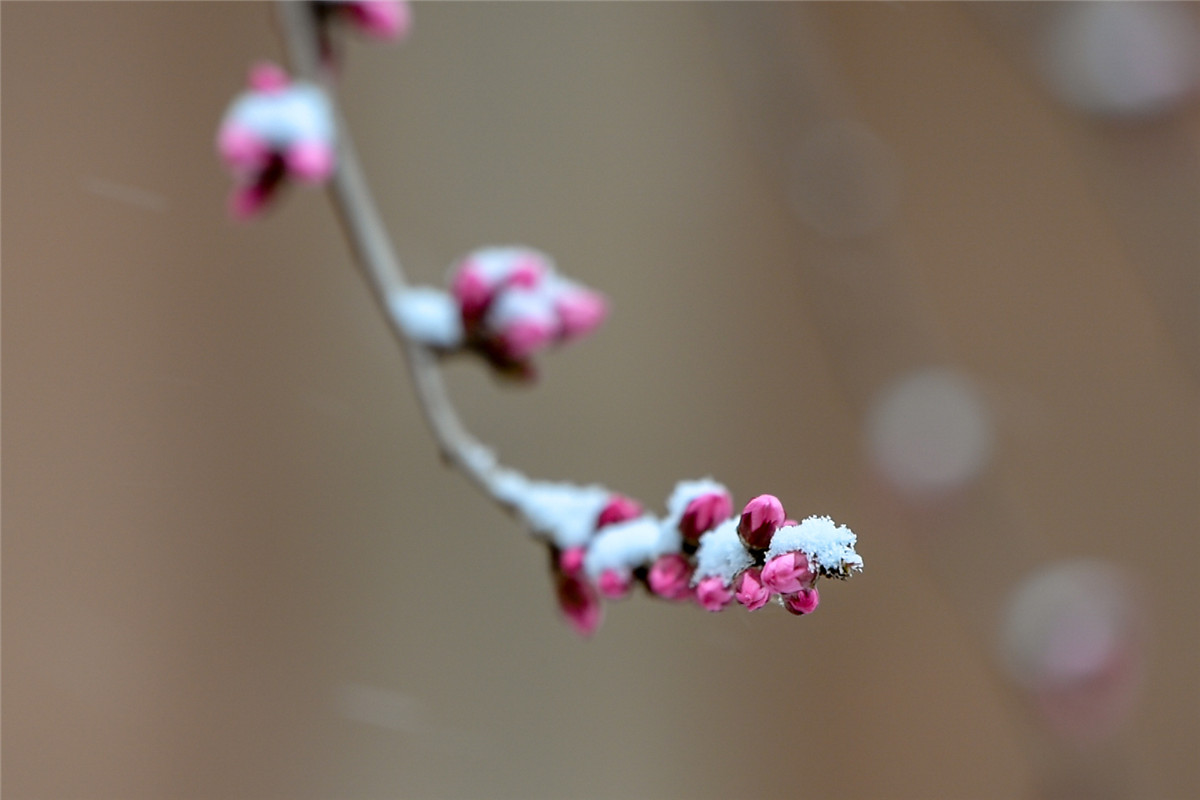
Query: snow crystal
[(428, 315), (829, 547), (721, 554)]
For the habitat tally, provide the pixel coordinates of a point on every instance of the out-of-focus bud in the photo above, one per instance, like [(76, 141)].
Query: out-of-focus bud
[(579, 603), (712, 594), (388, 20), (703, 514), (760, 519), (802, 602), (670, 577), (750, 591), (570, 561), (619, 509), (787, 573), (580, 311), (614, 583)]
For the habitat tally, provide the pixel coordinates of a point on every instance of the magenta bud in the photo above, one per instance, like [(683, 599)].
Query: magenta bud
[(389, 20), (527, 271), (787, 574), (310, 161), (760, 519), (750, 591), (472, 291), (579, 603), (580, 312), (521, 338), (247, 202), (268, 78), (670, 577), (570, 561), (803, 602), (703, 514), (241, 148), (712, 594), (619, 509), (614, 583)]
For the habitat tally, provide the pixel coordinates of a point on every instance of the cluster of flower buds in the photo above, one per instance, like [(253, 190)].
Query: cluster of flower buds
[(505, 303), (603, 544), (386, 20), (277, 129)]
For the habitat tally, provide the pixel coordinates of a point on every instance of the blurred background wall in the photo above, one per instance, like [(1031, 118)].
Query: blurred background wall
[(929, 269)]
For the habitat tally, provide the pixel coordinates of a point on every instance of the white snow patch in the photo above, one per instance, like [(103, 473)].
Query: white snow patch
[(562, 512), (827, 546), (627, 545), (428, 315), (721, 554)]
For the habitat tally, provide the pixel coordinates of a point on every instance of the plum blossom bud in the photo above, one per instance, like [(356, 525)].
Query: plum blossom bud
[(787, 573), (619, 509), (579, 603), (275, 130), (615, 583), (570, 561), (760, 519), (712, 594), (803, 602), (580, 311), (670, 577), (387, 20), (750, 591), (703, 514)]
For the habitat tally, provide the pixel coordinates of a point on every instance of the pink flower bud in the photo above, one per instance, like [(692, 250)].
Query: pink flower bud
[(268, 78), (241, 148), (670, 577), (760, 519), (703, 514), (579, 603), (527, 270), (712, 594), (570, 561), (803, 602), (310, 161), (389, 20), (615, 583), (750, 591), (472, 290), (619, 509), (247, 202), (580, 312), (787, 574), (521, 338)]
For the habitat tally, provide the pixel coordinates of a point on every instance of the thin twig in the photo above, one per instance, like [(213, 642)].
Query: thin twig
[(376, 259)]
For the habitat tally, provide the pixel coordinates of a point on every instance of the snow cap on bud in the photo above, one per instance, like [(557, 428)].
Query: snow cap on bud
[(619, 509), (803, 602), (760, 519), (750, 591), (670, 577), (615, 583), (787, 573), (712, 594), (579, 603)]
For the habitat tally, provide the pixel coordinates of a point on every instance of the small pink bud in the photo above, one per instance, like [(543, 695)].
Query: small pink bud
[(241, 148), (579, 603), (703, 514), (619, 509), (268, 78), (803, 602), (527, 271), (787, 574), (248, 201), (580, 312), (615, 583), (521, 338), (384, 19), (760, 519), (472, 291), (670, 577), (750, 591), (712, 594), (570, 561), (310, 161)]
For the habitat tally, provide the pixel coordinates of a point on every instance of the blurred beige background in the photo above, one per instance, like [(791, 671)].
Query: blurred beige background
[(233, 567)]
